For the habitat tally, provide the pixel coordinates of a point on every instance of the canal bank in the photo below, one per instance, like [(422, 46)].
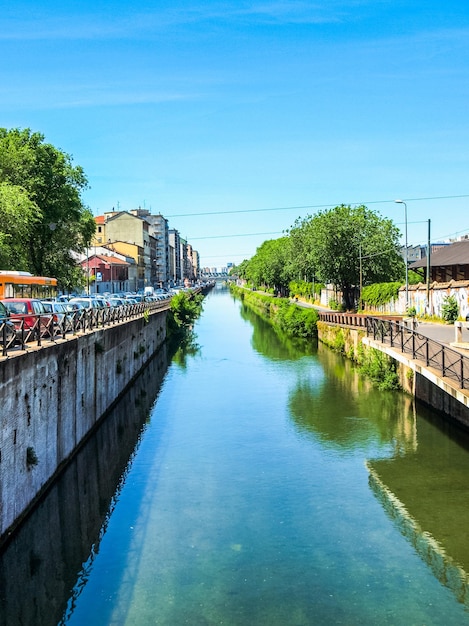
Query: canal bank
[(432, 372)]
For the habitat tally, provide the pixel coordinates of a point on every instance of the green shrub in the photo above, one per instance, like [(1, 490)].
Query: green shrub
[(296, 321), (31, 457), (336, 306), (291, 319), (304, 289), (380, 369), (450, 309), (185, 309)]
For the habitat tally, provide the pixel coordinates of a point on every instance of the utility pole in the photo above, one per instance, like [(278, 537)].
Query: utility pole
[(429, 306)]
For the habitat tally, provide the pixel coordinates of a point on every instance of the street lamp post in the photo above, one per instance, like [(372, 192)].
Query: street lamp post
[(88, 270), (361, 276), (406, 256)]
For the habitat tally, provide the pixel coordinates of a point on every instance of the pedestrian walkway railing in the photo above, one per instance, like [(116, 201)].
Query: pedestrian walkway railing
[(447, 362), (30, 331)]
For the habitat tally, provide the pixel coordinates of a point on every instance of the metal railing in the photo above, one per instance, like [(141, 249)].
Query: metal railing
[(446, 361), (20, 333)]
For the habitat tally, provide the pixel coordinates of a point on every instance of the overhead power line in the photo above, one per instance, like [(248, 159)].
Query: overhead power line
[(233, 235), (227, 256), (311, 206)]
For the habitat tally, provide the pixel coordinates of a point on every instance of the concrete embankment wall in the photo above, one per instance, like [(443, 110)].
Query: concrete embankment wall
[(424, 383), (67, 525), (52, 397)]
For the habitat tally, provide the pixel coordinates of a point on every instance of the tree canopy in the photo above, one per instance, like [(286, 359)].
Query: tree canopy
[(42, 217), (348, 246), (269, 265), (345, 246)]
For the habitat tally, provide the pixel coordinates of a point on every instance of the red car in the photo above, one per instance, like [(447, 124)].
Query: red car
[(27, 313)]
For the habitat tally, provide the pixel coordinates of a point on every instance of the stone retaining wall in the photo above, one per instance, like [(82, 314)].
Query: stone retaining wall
[(52, 397)]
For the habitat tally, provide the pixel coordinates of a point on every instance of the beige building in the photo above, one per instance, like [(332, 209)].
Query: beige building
[(161, 257), (121, 228)]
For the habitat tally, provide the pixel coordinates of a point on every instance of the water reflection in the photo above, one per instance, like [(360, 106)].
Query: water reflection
[(363, 417), (443, 566), (274, 344), (186, 347), (426, 494), (419, 473), (58, 542)]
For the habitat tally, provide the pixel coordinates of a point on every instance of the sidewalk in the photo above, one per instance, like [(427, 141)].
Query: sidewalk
[(443, 333)]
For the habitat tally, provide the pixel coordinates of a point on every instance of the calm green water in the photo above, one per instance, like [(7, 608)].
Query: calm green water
[(267, 485)]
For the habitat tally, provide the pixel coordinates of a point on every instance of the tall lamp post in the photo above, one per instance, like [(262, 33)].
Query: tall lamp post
[(406, 256)]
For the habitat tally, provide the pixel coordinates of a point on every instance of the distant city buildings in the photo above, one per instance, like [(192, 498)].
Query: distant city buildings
[(132, 250), (213, 272)]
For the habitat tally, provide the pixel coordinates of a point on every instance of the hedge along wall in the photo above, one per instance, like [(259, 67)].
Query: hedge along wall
[(52, 398), (418, 298), (289, 318)]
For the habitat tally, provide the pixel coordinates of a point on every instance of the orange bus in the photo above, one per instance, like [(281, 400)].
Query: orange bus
[(24, 285)]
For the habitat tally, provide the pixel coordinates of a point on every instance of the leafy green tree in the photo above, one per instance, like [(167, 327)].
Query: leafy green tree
[(348, 246), (269, 266), (18, 216), (240, 270), (302, 258), (53, 186)]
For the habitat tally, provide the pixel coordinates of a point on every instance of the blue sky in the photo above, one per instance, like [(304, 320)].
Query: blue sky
[(233, 119)]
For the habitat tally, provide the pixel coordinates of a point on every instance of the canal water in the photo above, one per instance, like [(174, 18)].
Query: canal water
[(248, 479)]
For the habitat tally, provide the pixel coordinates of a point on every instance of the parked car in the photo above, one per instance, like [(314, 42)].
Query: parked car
[(100, 302), (115, 302), (26, 313), (7, 328), (135, 298), (84, 303), (61, 315)]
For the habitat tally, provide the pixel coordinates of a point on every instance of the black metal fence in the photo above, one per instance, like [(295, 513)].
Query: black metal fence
[(28, 331), (447, 362)]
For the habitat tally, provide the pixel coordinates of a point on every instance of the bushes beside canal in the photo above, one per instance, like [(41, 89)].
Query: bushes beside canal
[(280, 312), (185, 309), (378, 367), (375, 365), (297, 321)]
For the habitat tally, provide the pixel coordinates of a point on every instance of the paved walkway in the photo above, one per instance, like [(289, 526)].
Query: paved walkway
[(443, 333)]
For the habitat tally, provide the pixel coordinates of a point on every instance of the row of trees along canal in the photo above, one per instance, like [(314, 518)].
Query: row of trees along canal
[(344, 246)]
